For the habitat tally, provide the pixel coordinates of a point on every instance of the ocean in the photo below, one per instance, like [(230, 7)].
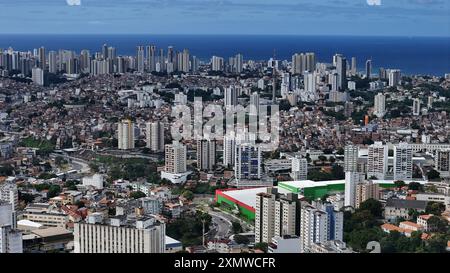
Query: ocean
[(413, 55)]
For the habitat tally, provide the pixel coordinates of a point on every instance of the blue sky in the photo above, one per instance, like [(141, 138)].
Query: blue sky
[(299, 17)]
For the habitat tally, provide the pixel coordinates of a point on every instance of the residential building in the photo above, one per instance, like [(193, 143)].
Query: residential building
[(155, 136), (403, 162), (125, 135), (299, 168), (206, 154), (247, 162), (442, 162), (377, 162), (366, 190), (400, 208), (10, 237), (120, 235)]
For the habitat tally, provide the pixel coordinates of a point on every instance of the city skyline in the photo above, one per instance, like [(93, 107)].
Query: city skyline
[(291, 17)]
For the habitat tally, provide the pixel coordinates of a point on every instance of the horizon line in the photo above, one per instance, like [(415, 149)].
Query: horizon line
[(230, 34)]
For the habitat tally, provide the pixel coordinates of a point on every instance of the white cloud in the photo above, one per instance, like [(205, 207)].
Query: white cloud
[(73, 2), (374, 2)]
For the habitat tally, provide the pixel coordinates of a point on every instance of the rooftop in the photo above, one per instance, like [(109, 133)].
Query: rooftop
[(407, 204)]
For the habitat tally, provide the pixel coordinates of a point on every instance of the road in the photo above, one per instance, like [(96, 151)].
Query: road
[(221, 226)]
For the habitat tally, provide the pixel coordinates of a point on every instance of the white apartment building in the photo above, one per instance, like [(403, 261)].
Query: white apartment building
[(395, 77), (155, 136), (442, 162), (380, 105), (313, 227), (175, 155), (125, 135), (403, 165), (10, 238), (299, 168), (351, 179), (351, 158), (9, 194), (264, 217), (37, 75), (377, 163), (143, 235)]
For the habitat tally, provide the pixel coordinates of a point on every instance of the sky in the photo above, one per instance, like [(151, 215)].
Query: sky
[(292, 17)]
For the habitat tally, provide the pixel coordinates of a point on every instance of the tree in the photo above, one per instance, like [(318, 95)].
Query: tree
[(434, 208), (415, 186), (236, 227), (433, 175), (137, 194), (59, 161), (322, 158), (94, 167), (373, 206), (438, 224), (338, 172), (262, 246), (53, 191), (399, 184), (189, 195), (241, 239)]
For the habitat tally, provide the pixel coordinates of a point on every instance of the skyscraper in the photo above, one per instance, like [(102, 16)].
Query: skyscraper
[(416, 106), (254, 103), (238, 63), (310, 82), (442, 162), (403, 165), (217, 63), (247, 162), (380, 105), (319, 226), (354, 66), (155, 136), (341, 69), (85, 61), (10, 238), (140, 59), (377, 162), (276, 215), (368, 69), (206, 154), (41, 58), (366, 190), (125, 135), (151, 58), (105, 51), (394, 77), (230, 96), (229, 150), (351, 179), (175, 155), (351, 158), (52, 65), (264, 217), (37, 75)]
